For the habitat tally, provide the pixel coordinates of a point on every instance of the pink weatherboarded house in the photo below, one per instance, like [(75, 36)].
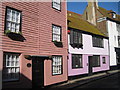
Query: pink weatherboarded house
[(34, 44)]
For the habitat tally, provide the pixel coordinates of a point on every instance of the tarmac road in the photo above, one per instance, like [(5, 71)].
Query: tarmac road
[(112, 81)]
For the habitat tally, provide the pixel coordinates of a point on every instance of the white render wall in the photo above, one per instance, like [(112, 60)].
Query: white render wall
[(113, 41)]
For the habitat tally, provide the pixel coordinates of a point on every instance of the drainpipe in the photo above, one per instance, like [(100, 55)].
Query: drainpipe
[(1, 52)]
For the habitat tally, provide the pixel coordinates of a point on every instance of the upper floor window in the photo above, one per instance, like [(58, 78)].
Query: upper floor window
[(118, 28), (114, 15), (13, 20), (56, 34), (97, 41), (119, 41), (11, 67), (56, 4), (75, 39)]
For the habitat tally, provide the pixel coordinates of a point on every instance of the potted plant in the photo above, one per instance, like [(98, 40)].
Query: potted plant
[(58, 43), (14, 35), (7, 32)]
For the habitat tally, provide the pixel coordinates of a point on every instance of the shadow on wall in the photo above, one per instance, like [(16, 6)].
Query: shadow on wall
[(23, 83)]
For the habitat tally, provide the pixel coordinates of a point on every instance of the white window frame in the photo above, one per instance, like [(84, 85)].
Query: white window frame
[(13, 20), (56, 4), (11, 71), (56, 33), (57, 65)]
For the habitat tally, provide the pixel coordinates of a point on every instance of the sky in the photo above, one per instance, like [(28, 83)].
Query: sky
[(79, 7)]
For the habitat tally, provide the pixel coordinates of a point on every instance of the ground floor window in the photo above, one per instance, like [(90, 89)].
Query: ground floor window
[(96, 61), (11, 67), (57, 65), (76, 61)]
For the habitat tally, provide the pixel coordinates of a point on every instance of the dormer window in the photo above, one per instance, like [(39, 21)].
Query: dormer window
[(113, 15)]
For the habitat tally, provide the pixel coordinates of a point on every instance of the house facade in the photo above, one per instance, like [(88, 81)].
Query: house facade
[(108, 22), (88, 47), (34, 44)]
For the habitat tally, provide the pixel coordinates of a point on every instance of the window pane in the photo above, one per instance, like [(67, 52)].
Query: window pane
[(17, 17), (17, 28), (9, 15), (13, 27), (8, 26), (79, 38), (13, 16)]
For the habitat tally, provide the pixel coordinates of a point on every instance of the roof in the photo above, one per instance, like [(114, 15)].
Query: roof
[(106, 13), (77, 22)]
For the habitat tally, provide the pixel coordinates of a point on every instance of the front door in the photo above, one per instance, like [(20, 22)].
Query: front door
[(90, 65), (38, 72)]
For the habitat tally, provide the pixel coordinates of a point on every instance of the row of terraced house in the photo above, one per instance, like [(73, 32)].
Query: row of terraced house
[(44, 44)]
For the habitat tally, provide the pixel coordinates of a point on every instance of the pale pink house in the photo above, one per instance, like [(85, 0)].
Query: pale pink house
[(87, 47), (34, 44)]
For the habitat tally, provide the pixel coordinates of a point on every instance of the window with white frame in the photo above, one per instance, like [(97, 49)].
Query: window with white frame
[(57, 65), (13, 18), (11, 67), (56, 4), (56, 33)]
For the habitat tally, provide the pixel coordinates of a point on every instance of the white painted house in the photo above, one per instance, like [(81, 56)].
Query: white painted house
[(108, 23), (113, 42)]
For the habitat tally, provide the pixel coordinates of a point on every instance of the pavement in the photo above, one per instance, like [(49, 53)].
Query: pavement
[(71, 84)]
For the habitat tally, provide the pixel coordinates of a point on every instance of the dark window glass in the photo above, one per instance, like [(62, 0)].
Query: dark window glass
[(103, 60), (97, 41), (76, 39), (96, 61), (76, 61)]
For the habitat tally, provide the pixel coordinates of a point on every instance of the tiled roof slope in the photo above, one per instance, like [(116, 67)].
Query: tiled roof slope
[(106, 13), (77, 22)]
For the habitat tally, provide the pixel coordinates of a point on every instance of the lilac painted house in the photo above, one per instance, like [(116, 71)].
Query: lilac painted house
[(88, 47)]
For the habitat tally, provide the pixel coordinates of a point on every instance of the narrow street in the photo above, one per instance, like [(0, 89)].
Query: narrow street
[(112, 81)]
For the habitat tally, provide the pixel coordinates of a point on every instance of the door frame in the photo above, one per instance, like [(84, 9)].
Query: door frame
[(41, 59), (90, 68)]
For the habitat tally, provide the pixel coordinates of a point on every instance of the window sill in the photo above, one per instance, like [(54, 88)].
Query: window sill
[(98, 47), (77, 67), (77, 45), (56, 74)]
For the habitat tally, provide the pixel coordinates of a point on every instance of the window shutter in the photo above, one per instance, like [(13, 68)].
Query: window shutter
[(71, 37)]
